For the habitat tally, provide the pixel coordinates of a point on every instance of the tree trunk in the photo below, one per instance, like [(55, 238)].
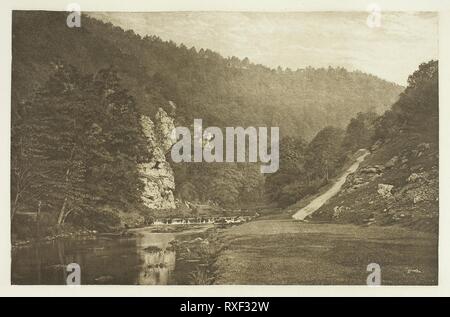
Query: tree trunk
[(62, 212), (64, 205), (38, 222), (14, 207), (65, 215)]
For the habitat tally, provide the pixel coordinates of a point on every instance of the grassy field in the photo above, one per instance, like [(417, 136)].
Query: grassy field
[(284, 251)]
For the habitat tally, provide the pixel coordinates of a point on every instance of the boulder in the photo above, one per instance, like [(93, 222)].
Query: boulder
[(385, 190), (380, 168), (391, 163), (423, 146), (376, 145), (376, 169), (369, 170), (337, 211), (417, 176)]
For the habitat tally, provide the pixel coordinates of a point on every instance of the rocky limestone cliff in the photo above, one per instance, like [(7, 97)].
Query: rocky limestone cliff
[(157, 174)]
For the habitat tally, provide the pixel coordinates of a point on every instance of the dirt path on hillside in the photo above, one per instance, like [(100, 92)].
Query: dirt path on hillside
[(323, 198)]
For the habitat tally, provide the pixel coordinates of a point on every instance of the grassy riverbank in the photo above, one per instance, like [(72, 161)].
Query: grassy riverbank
[(197, 254), (288, 252)]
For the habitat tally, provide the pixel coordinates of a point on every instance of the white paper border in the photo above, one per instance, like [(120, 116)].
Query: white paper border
[(443, 7)]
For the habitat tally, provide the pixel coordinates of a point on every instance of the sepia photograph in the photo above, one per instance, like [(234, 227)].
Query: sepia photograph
[(224, 147)]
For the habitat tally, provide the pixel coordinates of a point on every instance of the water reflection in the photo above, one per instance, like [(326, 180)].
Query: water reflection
[(145, 259), (157, 267), (157, 258)]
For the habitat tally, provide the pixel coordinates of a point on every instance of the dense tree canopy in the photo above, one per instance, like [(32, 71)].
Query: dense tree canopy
[(417, 109), (223, 91), (81, 142)]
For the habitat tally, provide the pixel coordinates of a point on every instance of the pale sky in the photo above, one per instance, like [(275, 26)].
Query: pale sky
[(301, 39)]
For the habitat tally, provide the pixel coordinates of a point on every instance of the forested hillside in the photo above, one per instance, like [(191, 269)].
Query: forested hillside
[(223, 91), (75, 149), (399, 182)]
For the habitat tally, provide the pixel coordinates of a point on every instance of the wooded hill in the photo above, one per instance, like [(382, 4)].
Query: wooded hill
[(223, 91), (399, 182)]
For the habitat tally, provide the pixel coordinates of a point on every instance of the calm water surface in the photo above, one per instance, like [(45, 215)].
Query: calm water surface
[(143, 259)]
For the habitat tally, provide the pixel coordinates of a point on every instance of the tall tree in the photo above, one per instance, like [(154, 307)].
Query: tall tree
[(323, 153), (83, 140)]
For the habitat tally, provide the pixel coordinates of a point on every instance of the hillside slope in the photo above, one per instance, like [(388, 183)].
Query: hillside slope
[(398, 183), (203, 84)]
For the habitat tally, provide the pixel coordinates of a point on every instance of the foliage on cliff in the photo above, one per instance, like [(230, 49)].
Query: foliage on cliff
[(75, 148)]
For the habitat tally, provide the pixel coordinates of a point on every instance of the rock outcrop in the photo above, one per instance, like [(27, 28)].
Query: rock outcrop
[(157, 174), (396, 184), (385, 190)]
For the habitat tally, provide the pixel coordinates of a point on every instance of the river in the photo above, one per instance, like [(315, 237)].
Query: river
[(145, 258)]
